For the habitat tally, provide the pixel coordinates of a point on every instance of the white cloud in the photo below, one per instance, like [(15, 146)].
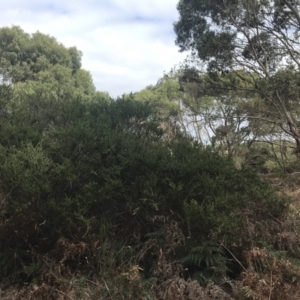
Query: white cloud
[(126, 44)]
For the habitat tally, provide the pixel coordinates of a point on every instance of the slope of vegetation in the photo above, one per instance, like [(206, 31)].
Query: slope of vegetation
[(148, 196)]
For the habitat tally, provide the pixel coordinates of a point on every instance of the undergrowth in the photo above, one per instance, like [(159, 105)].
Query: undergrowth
[(97, 205)]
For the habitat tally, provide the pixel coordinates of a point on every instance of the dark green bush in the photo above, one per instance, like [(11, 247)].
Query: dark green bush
[(103, 169)]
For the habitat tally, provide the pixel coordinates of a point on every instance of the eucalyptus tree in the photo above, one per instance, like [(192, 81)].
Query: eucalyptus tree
[(218, 113), (166, 99), (257, 40), (194, 107)]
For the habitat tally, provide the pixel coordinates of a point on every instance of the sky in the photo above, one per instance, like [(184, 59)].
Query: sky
[(126, 44)]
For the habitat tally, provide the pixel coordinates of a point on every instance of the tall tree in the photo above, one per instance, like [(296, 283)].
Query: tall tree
[(219, 114), (165, 97), (38, 58), (42, 74), (259, 38)]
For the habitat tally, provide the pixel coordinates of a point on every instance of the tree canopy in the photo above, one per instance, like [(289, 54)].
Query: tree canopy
[(38, 59), (255, 40)]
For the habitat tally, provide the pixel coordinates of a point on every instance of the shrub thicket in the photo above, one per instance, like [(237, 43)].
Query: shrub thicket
[(109, 199), (94, 172)]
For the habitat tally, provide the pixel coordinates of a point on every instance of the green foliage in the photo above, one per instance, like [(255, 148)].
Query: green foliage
[(246, 39), (280, 254), (219, 32), (34, 270), (39, 66), (102, 169), (27, 172), (122, 288), (83, 177), (165, 96), (206, 263), (24, 56)]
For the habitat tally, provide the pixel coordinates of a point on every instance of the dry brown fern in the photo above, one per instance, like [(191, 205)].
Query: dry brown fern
[(269, 277)]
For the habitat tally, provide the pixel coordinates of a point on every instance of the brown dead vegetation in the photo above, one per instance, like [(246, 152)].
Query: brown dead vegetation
[(268, 277), (72, 270)]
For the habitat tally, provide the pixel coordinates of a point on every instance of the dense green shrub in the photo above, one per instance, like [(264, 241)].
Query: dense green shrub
[(101, 170)]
